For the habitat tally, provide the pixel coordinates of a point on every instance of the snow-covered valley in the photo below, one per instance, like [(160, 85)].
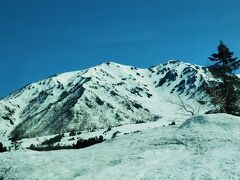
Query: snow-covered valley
[(203, 147)]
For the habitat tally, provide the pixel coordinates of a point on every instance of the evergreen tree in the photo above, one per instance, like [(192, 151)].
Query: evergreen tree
[(225, 60), (225, 65)]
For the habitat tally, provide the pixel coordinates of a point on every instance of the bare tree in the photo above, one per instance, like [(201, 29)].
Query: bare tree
[(188, 108), (226, 99), (218, 99)]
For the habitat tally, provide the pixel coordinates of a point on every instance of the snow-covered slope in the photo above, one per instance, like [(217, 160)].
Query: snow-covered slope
[(203, 147), (104, 96)]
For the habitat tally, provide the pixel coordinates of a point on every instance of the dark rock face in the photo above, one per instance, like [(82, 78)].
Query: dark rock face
[(187, 81), (180, 87), (99, 101), (170, 76), (9, 112)]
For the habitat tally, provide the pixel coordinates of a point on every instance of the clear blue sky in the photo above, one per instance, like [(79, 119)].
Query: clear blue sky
[(39, 38)]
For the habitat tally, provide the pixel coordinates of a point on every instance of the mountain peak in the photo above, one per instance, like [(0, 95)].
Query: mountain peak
[(109, 94)]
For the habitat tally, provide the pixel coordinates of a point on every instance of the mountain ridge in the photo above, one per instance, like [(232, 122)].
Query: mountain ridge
[(107, 95)]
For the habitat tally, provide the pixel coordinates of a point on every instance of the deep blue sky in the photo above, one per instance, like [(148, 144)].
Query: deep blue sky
[(44, 37)]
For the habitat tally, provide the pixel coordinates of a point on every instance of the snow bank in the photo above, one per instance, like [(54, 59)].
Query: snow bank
[(204, 147), (194, 120)]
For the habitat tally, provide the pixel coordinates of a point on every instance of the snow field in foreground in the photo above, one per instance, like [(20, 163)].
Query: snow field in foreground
[(204, 147)]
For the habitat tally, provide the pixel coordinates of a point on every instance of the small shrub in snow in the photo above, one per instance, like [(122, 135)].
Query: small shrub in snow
[(115, 134), (72, 133), (2, 148), (139, 121), (138, 131), (52, 140), (149, 95), (156, 118), (108, 129), (172, 123), (49, 148), (82, 143)]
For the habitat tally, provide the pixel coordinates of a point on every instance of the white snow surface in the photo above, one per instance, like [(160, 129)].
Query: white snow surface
[(107, 134), (203, 147)]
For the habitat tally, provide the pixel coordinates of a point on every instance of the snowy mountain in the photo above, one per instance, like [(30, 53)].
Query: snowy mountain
[(108, 95), (203, 147), (144, 133)]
